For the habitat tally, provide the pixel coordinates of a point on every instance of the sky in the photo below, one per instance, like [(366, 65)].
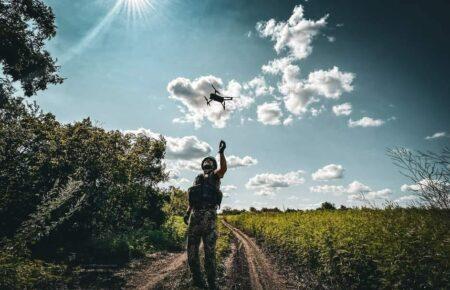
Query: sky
[(323, 87)]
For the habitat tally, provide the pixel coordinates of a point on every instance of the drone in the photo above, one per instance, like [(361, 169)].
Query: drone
[(216, 96)]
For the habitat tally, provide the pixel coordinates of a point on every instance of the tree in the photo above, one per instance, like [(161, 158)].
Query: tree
[(327, 206), (25, 25), (429, 172)]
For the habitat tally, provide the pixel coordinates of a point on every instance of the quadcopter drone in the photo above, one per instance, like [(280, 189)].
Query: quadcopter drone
[(216, 96)]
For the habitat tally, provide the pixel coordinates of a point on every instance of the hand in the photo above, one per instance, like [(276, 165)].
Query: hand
[(222, 146), (186, 218)]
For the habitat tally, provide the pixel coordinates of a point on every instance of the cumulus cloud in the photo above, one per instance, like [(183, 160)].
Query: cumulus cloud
[(299, 93), (371, 195), (330, 171), (288, 121), (269, 113), (187, 147), (294, 35), (232, 162), (426, 185), (365, 122), (331, 83), (409, 187), (344, 109), (229, 187), (354, 187), (334, 189), (407, 200), (192, 94), (437, 135), (268, 183), (258, 86), (236, 161)]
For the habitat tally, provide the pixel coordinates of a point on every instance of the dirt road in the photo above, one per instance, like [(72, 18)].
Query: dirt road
[(262, 272), (247, 267)]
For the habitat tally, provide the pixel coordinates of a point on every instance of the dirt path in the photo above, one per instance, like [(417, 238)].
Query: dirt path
[(262, 273), (157, 269), (247, 267)]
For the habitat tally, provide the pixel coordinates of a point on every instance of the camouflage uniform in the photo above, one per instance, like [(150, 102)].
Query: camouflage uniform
[(202, 226)]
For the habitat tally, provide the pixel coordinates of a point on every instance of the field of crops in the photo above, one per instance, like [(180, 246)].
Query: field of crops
[(392, 248)]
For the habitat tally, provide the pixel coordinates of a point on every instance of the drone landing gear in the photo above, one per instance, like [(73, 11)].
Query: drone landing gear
[(223, 105)]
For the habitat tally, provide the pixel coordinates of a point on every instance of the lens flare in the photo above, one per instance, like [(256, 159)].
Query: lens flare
[(136, 9)]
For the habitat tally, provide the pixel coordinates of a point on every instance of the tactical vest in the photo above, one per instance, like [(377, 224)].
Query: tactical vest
[(205, 193)]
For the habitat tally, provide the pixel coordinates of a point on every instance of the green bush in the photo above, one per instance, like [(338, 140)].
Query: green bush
[(19, 273)]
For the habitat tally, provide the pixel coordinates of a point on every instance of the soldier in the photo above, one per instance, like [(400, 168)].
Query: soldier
[(204, 199)]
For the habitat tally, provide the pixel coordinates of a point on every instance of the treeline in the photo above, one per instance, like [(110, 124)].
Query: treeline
[(324, 206)]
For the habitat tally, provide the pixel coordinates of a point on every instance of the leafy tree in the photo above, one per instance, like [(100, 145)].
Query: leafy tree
[(25, 25), (178, 201), (327, 206)]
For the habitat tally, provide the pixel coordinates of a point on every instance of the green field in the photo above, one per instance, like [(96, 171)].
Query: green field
[(392, 248)]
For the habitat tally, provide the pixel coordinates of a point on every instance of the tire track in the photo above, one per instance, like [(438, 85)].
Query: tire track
[(263, 274)]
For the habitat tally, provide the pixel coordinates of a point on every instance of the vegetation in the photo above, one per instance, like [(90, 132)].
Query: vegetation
[(25, 25), (359, 248), (76, 194), (428, 171)]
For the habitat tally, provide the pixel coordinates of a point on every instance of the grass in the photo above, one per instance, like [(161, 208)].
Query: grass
[(372, 249)]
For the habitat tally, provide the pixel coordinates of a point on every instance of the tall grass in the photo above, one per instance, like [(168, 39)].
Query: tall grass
[(371, 249)]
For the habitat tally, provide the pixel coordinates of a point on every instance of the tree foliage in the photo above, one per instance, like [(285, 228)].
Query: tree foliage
[(25, 25), (116, 179)]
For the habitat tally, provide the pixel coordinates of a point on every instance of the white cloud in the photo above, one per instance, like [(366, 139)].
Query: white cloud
[(371, 195), (437, 135), (334, 189), (288, 121), (365, 122), (187, 147), (267, 183), (330, 171), (344, 109), (299, 94), (258, 86), (332, 83), (277, 65), (236, 161), (410, 187), (269, 113), (229, 187), (357, 187), (295, 35), (426, 185), (192, 95), (407, 200), (232, 162)]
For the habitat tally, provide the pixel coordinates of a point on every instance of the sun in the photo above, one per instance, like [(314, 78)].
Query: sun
[(137, 8)]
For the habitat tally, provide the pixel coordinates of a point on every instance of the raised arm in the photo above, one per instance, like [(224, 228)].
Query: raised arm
[(223, 162)]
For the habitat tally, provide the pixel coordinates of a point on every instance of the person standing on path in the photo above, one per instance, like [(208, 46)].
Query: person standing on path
[(204, 200)]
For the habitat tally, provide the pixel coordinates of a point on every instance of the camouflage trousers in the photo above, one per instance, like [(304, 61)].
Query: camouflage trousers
[(202, 226)]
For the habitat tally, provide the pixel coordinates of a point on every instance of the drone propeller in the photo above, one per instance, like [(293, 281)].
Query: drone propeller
[(215, 90)]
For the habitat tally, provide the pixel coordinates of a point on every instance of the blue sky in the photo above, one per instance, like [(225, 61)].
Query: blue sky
[(150, 72)]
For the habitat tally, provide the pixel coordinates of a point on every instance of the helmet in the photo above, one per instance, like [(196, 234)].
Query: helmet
[(209, 158)]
